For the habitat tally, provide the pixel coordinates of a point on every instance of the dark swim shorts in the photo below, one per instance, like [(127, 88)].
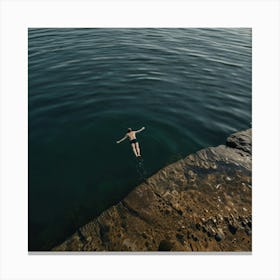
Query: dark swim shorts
[(133, 141)]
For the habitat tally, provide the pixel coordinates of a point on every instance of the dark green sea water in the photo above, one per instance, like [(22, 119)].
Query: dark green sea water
[(190, 88)]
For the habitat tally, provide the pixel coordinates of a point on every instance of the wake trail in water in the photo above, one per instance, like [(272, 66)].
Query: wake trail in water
[(141, 169)]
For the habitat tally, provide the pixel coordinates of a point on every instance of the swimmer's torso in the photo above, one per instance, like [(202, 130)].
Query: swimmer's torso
[(131, 135)]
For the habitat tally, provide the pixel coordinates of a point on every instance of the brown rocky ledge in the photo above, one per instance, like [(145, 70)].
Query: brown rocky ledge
[(200, 203)]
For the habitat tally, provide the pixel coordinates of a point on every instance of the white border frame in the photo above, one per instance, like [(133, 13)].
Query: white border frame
[(17, 16)]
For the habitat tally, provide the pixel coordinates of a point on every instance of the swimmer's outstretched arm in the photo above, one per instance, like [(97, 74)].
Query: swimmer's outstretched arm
[(119, 141), (141, 129)]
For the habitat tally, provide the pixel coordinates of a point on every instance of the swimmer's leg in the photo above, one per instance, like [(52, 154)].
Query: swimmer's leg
[(134, 149), (138, 149)]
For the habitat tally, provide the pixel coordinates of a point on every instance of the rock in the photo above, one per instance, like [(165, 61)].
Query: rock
[(248, 231), (165, 245), (241, 140), (232, 228), (218, 237), (193, 204), (179, 236)]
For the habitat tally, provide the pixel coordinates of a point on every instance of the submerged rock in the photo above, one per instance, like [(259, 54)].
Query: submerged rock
[(195, 204)]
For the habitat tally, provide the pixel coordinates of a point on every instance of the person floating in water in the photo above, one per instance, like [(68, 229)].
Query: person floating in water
[(131, 135)]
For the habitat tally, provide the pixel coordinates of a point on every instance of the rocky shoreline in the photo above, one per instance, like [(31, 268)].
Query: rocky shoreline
[(200, 203)]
